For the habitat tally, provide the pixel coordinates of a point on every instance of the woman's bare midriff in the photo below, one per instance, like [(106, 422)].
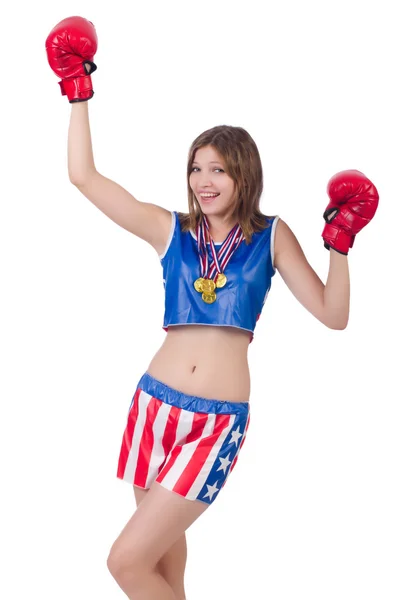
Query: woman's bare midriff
[(205, 360)]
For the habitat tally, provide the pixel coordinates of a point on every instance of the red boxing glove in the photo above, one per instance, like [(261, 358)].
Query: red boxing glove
[(354, 200), (70, 46)]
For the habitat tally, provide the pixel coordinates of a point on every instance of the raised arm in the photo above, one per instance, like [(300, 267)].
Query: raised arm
[(71, 47), (148, 221)]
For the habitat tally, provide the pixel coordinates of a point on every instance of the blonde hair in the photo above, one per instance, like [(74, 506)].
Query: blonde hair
[(243, 165)]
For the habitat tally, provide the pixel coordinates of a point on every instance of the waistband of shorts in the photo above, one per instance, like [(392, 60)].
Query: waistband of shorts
[(169, 395)]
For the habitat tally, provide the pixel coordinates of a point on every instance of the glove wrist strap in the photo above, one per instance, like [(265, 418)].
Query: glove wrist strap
[(337, 238), (77, 89)]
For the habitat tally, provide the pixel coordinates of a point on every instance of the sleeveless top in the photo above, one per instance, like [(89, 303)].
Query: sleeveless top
[(239, 303)]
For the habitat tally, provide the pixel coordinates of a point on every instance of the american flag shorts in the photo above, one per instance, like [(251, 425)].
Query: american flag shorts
[(188, 444)]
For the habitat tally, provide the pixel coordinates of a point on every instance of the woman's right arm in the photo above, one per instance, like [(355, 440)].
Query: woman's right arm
[(150, 222)]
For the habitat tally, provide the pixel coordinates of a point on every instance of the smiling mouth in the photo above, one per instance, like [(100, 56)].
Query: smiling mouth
[(208, 198)]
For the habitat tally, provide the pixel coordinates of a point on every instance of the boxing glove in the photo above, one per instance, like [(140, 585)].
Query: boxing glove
[(71, 46), (353, 203)]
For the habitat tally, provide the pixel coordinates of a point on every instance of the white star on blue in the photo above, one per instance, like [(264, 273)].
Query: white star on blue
[(225, 458), (225, 463), (212, 489)]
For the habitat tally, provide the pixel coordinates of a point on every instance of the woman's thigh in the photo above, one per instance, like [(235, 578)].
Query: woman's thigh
[(172, 565)]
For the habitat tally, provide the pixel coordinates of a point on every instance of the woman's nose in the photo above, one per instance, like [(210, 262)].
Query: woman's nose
[(205, 181)]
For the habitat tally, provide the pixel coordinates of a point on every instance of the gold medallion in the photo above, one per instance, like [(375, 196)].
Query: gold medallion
[(198, 284), (209, 298), (221, 280), (208, 286)]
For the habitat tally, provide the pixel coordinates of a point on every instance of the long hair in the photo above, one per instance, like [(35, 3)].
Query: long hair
[(243, 165)]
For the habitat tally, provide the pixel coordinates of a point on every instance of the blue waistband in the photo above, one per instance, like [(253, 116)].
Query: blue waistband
[(169, 395)]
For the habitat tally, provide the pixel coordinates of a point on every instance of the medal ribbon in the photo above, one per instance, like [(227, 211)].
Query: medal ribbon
[(228, 248)]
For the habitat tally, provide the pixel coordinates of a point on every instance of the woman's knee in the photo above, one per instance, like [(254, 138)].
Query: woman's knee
[(123, 570), (171, 565), (119, 565)]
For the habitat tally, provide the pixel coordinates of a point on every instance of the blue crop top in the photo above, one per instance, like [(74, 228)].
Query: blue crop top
[(239, 303)]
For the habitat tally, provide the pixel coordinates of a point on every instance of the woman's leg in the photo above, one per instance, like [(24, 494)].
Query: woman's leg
[(158, 523), (183, 448), (172, 565)]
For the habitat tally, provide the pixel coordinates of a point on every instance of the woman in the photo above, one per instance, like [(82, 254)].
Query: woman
[(190, 412)]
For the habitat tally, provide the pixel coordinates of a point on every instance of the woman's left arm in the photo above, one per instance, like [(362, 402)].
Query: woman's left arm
[(353, 203), (337, 290), (328, 303)]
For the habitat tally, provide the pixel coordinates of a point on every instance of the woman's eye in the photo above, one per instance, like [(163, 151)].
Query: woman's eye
[(217, 169)]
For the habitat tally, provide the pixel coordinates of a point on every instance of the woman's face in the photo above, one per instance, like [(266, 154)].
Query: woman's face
[(208, 175)]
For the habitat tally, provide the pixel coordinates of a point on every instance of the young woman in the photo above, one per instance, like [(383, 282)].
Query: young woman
[(190, 412)]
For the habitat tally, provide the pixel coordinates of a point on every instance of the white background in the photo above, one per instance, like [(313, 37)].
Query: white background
[(309, 512)]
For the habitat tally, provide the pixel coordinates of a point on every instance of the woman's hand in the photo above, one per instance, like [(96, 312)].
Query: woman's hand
[(354, 200), (71, 46)]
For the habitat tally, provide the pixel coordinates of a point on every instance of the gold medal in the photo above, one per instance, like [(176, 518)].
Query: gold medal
[(198, 284), (208, 286), (209, 298), (221, 280)]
